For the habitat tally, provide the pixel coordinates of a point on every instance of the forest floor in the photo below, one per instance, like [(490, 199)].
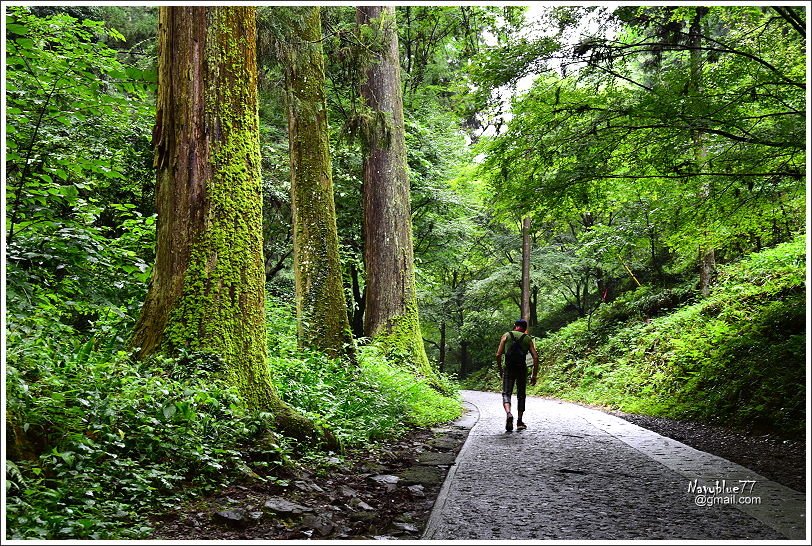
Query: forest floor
[(383, 493), (388, 492)]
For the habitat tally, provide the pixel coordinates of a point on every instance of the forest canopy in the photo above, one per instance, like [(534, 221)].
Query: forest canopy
[(615, 175)]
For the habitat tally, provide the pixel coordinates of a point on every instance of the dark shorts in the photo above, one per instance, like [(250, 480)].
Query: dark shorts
[(517, 375)]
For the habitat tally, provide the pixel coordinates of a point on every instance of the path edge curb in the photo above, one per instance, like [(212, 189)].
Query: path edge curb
[(442, 496)]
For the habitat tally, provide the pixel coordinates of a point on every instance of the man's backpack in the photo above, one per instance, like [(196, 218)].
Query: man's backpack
[(516, 353)]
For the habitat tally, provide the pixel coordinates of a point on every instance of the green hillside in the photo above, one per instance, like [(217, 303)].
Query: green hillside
[(736, 357)]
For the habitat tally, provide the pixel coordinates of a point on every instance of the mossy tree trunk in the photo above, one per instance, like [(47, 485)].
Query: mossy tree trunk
[(207, 294), (391, 313), (321, 305), (441, 362)]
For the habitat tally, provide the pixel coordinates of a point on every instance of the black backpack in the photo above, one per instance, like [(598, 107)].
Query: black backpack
[(516, 354)]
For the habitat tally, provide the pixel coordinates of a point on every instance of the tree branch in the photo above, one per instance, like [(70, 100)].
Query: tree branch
[(792, 18), (719, 132)]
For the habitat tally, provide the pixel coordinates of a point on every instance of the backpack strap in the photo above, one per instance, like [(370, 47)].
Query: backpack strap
[(514, 340)]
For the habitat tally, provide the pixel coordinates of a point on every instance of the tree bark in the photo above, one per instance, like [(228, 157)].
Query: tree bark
[(464, 368), (442, 346), (207, 291), (534, 303), (320, 301), (391, 312), (359, 296)]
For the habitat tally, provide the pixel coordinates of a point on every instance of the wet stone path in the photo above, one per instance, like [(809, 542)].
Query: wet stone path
[(577, 473)]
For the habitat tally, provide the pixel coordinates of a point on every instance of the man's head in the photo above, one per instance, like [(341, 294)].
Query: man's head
[(520, 325)]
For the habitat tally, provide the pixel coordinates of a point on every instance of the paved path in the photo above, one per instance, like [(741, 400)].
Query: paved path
[(578, 473)]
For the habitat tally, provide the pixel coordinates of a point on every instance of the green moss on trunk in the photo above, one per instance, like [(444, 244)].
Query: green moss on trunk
[(207, 294), (402, 341), (320, 301), (222, 308)]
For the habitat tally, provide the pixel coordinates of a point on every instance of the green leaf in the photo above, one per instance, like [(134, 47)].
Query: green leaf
[(68, 456), (169, 410), (25, 44), (16, 28)]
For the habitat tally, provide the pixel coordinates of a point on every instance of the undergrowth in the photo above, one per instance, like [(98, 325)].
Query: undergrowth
[(99, 441), (373, 400)]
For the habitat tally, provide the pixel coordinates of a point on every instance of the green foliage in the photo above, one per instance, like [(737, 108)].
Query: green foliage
[(374, 400), (635, 153), (736, 357), (419, 399), (79, 229), (104, 441), (627, 161)]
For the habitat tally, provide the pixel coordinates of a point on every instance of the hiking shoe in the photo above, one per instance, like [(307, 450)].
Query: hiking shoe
[(509, 422), (520, 425)]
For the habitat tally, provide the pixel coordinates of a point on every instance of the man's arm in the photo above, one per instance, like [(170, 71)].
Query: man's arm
[(535, 373), (499, 352)]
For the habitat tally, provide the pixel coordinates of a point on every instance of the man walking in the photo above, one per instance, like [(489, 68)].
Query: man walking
[(515, 370)]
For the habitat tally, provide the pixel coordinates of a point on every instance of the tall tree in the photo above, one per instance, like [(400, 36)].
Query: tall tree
[(526, 268), (320, 301), (391, 303), (207, 293), (707, 255)]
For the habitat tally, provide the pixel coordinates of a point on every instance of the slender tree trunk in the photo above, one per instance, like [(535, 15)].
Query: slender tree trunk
[(358, 308), (391, 312), (464, 369), (526, 268), (600, 287), (321, 306), (442, 346), (707, 255), (651, 232), (207, 291), (534, 302)]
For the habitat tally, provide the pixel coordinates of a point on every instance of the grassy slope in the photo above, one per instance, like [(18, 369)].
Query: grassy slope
[(736, 357)]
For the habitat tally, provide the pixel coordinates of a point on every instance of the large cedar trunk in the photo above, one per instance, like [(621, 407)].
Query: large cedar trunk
[(391, 303), (207, 293), (320, 302)]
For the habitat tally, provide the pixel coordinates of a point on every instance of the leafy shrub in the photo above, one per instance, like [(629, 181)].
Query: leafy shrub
[(78, 120), (106, 440), (373, 400)]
